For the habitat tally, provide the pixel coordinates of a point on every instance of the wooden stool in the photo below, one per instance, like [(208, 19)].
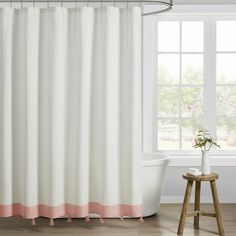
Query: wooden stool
[(197, 212)]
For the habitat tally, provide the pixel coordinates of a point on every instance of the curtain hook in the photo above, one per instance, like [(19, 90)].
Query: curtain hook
[(115, 3), (21, 3), (87, 3), (62, 3), (48, 4), (34, 3), (11, 4), (101, 3), (127, 6)]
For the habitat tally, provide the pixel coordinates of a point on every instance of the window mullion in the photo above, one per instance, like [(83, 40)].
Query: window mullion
[(210, 76), (180, 86)]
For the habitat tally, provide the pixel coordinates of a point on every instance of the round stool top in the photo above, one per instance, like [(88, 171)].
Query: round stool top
[(212, 176)]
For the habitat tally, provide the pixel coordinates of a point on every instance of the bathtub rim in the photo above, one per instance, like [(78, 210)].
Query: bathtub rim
[(159, 159)]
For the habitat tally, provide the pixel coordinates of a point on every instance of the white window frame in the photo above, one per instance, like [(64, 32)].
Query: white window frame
[(180, 53), (209, 84), (150, 63)]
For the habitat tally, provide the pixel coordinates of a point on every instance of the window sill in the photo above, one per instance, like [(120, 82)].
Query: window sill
[(187, 160)]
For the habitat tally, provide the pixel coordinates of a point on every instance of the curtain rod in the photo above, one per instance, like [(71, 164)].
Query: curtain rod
[(167, 4)]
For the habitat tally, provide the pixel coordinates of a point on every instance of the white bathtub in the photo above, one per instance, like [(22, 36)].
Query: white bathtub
[(154, 167)]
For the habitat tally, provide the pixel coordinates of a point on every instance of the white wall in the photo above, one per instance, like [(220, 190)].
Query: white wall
[(204, 2), (175, 185)]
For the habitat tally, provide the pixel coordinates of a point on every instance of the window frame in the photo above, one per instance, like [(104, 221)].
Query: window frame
[(209, 85)]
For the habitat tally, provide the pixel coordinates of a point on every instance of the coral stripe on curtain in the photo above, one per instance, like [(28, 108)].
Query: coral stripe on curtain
[(70, 116)]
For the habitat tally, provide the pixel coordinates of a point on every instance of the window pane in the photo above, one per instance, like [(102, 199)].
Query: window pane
[(226, 35), (168, 134), (168, 69), (226, 100), (226, 69), (168, 102), (189, 129), (192, 102), (192, 69), (226, 132), (168, 36), (192, 36)]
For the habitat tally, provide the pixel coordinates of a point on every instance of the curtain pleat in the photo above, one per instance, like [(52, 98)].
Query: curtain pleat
[(70, 112), (6, 28)]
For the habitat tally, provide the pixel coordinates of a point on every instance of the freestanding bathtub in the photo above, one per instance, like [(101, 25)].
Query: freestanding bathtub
[(154, 166)]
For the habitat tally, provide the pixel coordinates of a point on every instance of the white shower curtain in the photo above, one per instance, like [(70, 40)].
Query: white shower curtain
[(70, 116)]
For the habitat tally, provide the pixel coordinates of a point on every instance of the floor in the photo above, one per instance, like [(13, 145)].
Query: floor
[(164, 224)]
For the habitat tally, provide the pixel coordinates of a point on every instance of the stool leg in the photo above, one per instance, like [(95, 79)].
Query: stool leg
[(185, 207), (217, 208), (197, 203)]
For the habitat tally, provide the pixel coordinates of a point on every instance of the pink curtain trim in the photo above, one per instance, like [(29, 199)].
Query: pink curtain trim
[(71, 210)]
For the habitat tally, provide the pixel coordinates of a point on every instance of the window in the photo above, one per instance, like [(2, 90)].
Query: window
[(226, 83), (196, 80)]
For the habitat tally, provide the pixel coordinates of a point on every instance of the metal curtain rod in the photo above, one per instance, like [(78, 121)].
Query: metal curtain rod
[(167, 4)]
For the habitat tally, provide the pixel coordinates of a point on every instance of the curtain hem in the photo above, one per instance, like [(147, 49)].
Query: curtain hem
[(118, 210)]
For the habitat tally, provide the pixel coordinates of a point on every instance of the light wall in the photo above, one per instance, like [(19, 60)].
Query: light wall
[(211, 2), (175, 185)]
